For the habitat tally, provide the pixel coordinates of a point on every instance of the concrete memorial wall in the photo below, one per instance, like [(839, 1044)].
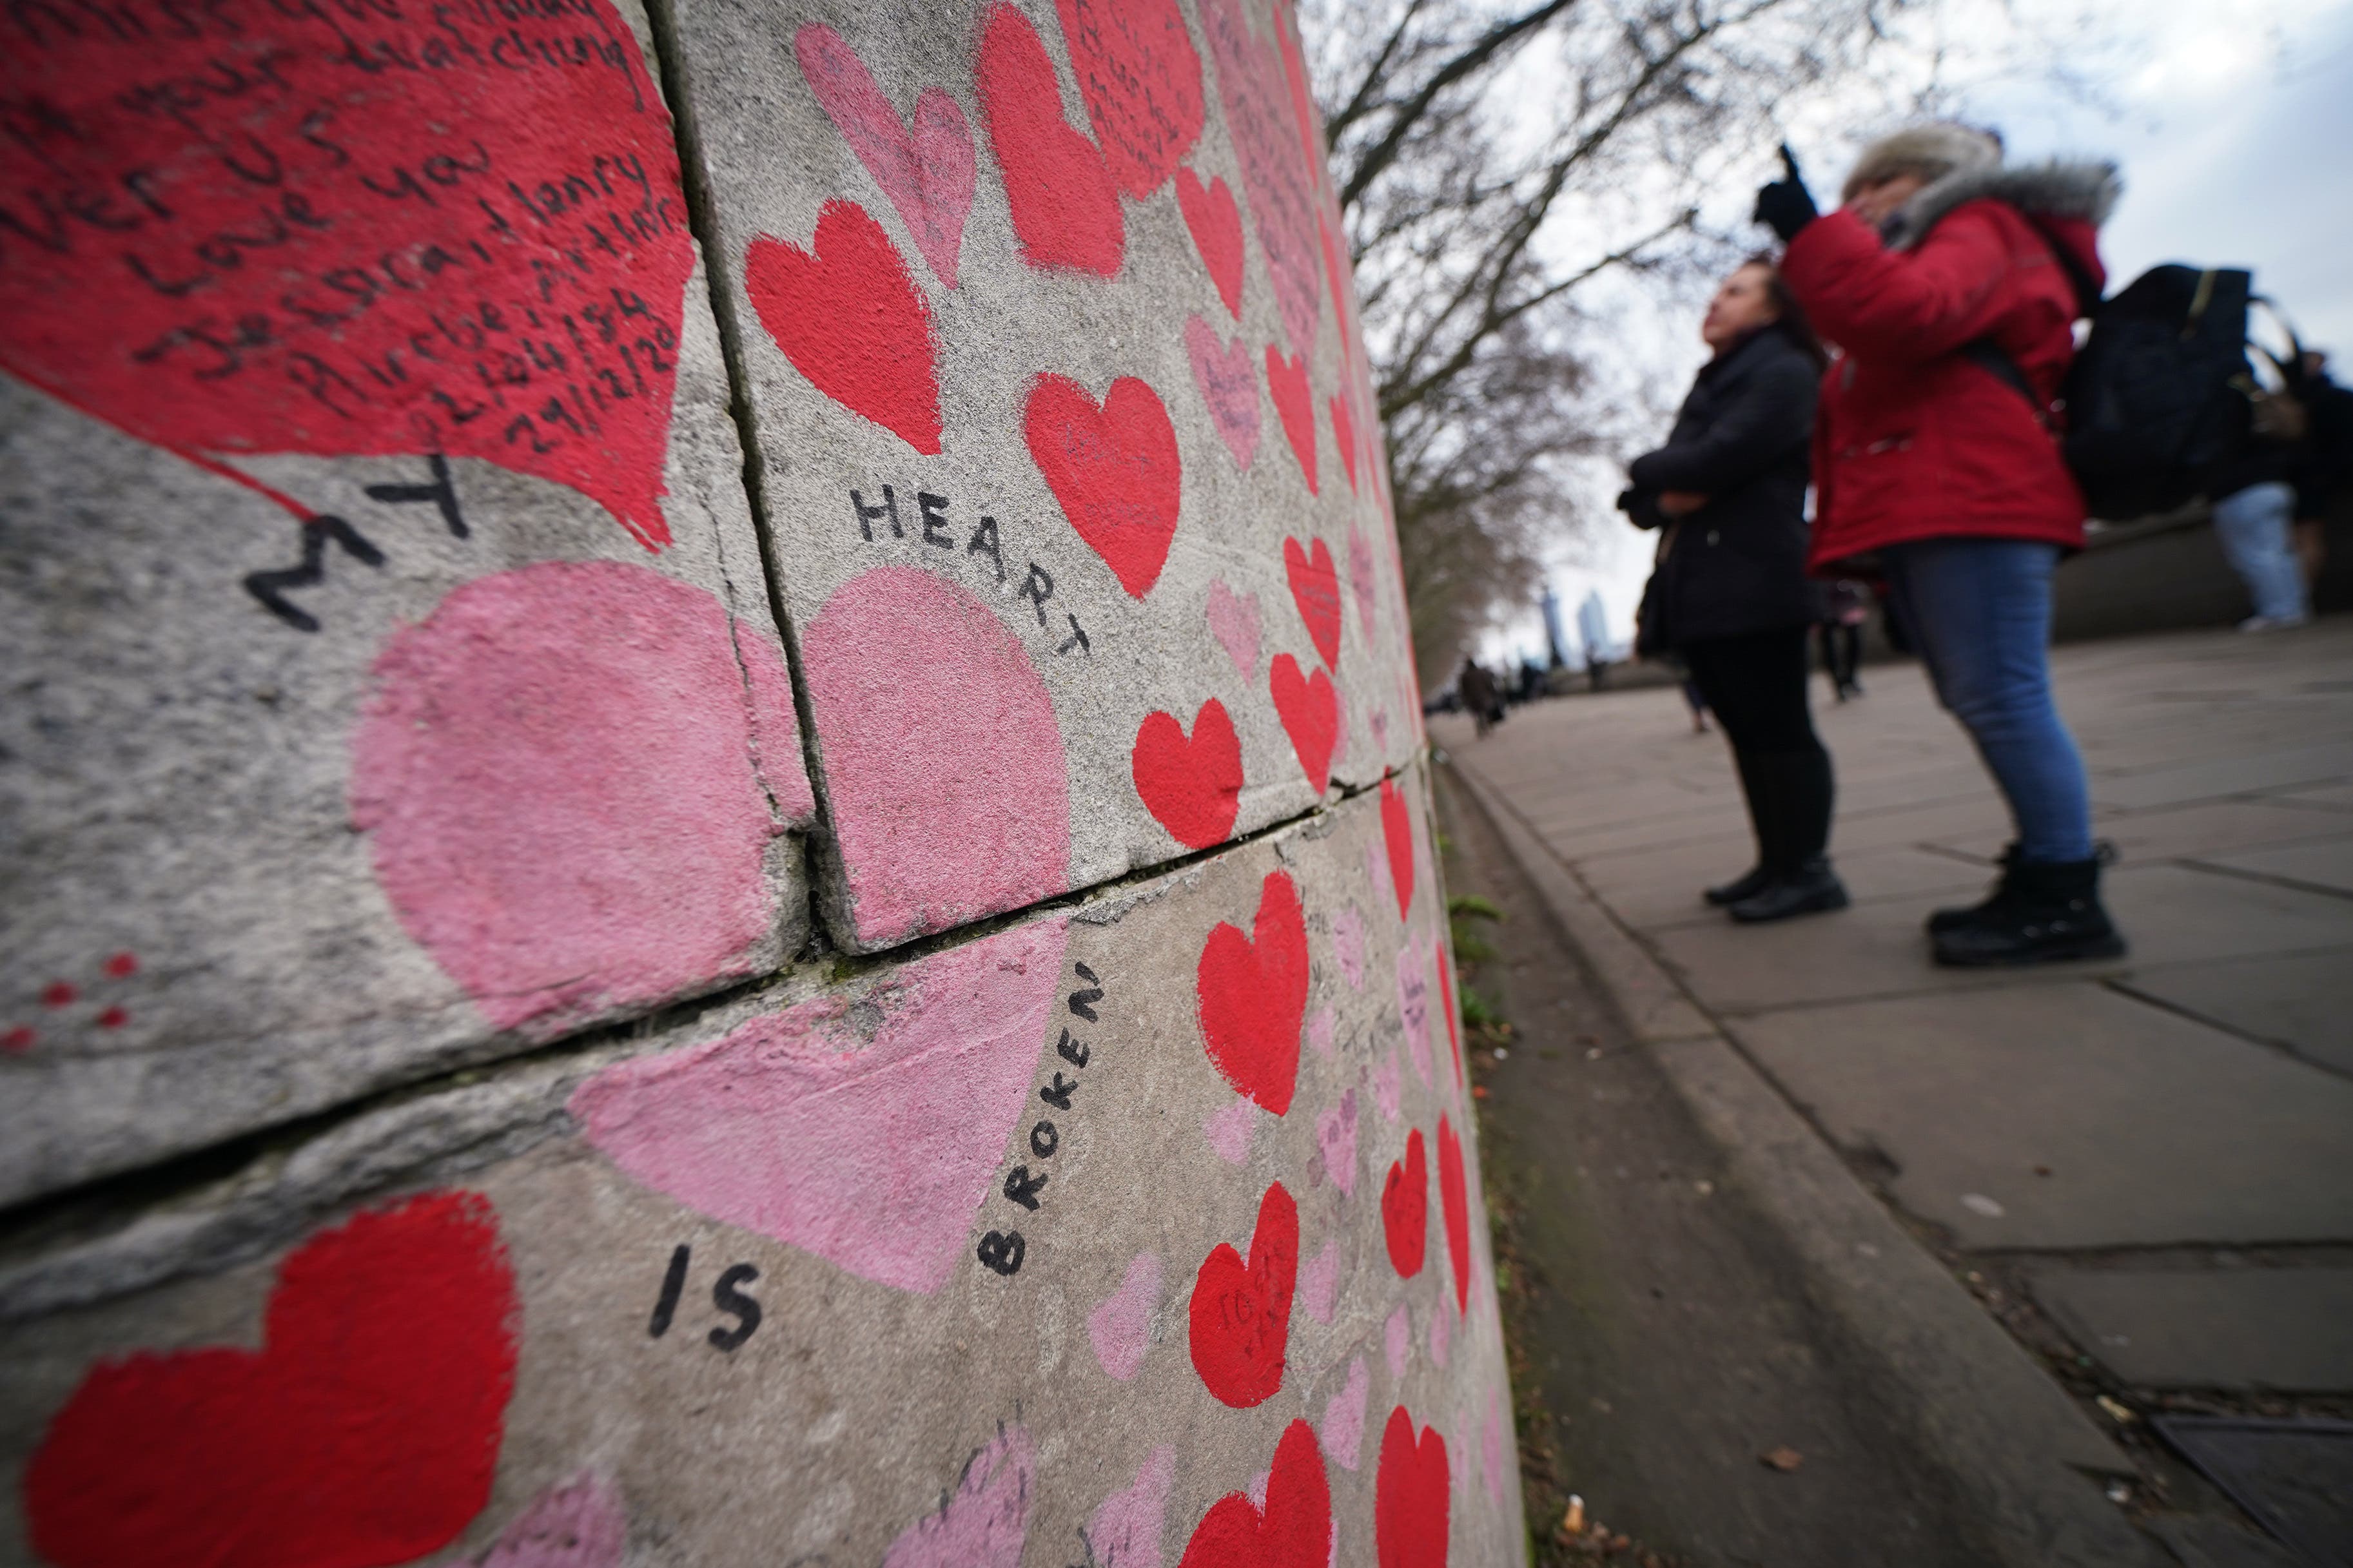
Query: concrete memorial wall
[(713, 842)]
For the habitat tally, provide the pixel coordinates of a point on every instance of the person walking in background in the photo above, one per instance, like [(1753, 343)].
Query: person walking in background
[(2254, 494), (1475, 688), (2326, 472), (1840, 630), (1729, 596), (1932, 468)]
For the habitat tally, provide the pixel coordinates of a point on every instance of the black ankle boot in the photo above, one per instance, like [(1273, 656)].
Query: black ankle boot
[(1757, 790), (1958, 916), (1746, 886), (2041, 913), (1809, 887)]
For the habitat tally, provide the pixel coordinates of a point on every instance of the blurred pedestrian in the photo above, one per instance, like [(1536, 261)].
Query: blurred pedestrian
[(2326, 473), (1931, 467), (2254, 492), (1476, 689), (1729, 596), (1696, 703), (1847, 604)]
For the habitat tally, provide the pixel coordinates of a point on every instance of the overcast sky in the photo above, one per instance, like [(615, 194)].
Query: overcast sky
[(2233, 121)]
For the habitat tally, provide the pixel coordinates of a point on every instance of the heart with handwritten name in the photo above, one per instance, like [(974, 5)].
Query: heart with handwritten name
[(1240, 1310), (1315, 589), (1411, 1496), (1309, 707), (1396, 834), (1064, 207), (1251, 992), (847, 314), (1229, 385), (1141, 79), (1192, 785), (1294, 404), (364, 1429), (927, 171), (1293, 1529), (1454, 1207), (1279, 152), (1404, 1207), (1114, 468), (1215, 222)]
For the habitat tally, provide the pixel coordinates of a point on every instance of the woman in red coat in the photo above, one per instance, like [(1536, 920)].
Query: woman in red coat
[(1951, 283)]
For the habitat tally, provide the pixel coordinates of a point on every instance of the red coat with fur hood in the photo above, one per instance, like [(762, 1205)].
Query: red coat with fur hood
[(1914, 438)]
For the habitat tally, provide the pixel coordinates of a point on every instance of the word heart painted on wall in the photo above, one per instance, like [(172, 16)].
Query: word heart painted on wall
[(388, 1351), (1309, 707), (1251, 992), (1064, 207), (1292, 1528), (1191, 785), (1240, 1317), (1142, 81), (849, 315), (1405, 1208), (285, 249), (927, 172), (1315, 590), (1214, 223), (870, 1144), (1114, 469)]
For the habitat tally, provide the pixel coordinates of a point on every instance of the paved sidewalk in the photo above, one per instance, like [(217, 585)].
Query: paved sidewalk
[(2157, 1151)]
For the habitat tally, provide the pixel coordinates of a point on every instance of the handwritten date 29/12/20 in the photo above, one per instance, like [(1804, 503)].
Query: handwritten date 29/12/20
[(1003, 1250)]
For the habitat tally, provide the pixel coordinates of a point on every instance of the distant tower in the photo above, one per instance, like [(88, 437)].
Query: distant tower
[(1593, 626), (1552, 638)]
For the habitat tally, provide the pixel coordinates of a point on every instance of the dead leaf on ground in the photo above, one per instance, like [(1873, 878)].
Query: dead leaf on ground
[(1783, 1458)]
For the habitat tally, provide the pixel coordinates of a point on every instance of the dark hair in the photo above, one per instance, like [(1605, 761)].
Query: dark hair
[(1789, 316)]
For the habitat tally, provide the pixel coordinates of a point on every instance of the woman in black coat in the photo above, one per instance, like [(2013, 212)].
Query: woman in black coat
[(1729, 596)]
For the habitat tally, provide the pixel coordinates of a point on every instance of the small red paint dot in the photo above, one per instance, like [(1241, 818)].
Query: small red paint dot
[(113, 1018), (57, 993), (122, 964), (16, 1041)]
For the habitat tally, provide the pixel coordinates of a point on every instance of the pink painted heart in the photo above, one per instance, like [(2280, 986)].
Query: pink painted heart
[(580, 1524), (927, 172), (1121, 1325), (1316, 591), (1413, 1007), (1397, 1340), (1320, 1030), (1335, 1140), (1216, 224), (984, 1522), (1343, 431), (1348, 945), (1233, 621), (1294, 403), (1389, 1085), (871, 1143), (1230, 1129), (1319, 1283), (1125, 1529), (1360, 579), (1344, 1417), (1229, 385)]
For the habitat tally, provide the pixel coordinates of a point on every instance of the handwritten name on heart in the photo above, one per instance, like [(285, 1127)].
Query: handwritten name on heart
[(1309, 708), (1411, 1496), (1241, 1311), (1404, 1207), (388, 1351), (1273, 141), (1229, 385), (1293, 1529), (1315, 590), (1397, 833), (1064, 207), (1335, 1140), (1252, 995), (847, 314), (1215, 222), (1141, 79), (926, 172), (1113, 466), (1294, 404), (1192, 786), (1454, 1203)]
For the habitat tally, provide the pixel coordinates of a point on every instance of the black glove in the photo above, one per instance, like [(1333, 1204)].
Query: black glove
[(1785, 204)]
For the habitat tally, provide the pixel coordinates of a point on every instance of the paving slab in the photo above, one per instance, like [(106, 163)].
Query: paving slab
[(2300, 1002), (2208, 829), (2239, 772), (2285, 1329), (1085, 573), (2328, 863), (393, 687), (2156, 1130)]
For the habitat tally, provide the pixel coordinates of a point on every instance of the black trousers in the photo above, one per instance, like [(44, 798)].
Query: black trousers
[(1756, 684), (1842, 653)]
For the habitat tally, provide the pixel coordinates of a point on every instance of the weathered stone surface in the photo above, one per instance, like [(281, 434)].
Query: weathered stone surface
[(752, 1312), (516, 754), (973, 275), (2288, 1329)]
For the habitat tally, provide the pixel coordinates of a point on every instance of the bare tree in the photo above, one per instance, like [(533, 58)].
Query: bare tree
[(1505, 168)]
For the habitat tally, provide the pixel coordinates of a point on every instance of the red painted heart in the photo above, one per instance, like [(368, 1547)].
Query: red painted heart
[(365, 1431), (1315, 589), (1397, 831), (1115, 470), (1216, 223), (1141, 79), (1252, 993), (1293, 1531), (252, 237), (1343, 431), (1405, 1208), (927, 173), (1064, 208), (849, 317), (1446, 1001), (1240, 1313), (1409, 1495), (1192, 787), (1286, 382), (1310, 711), (1454, 1203)]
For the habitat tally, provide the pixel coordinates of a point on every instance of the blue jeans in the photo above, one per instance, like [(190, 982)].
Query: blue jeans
[(2253, 525), (1979, 614)]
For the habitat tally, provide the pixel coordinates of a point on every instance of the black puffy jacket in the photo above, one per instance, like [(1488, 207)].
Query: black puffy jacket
[(1738, 564)]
